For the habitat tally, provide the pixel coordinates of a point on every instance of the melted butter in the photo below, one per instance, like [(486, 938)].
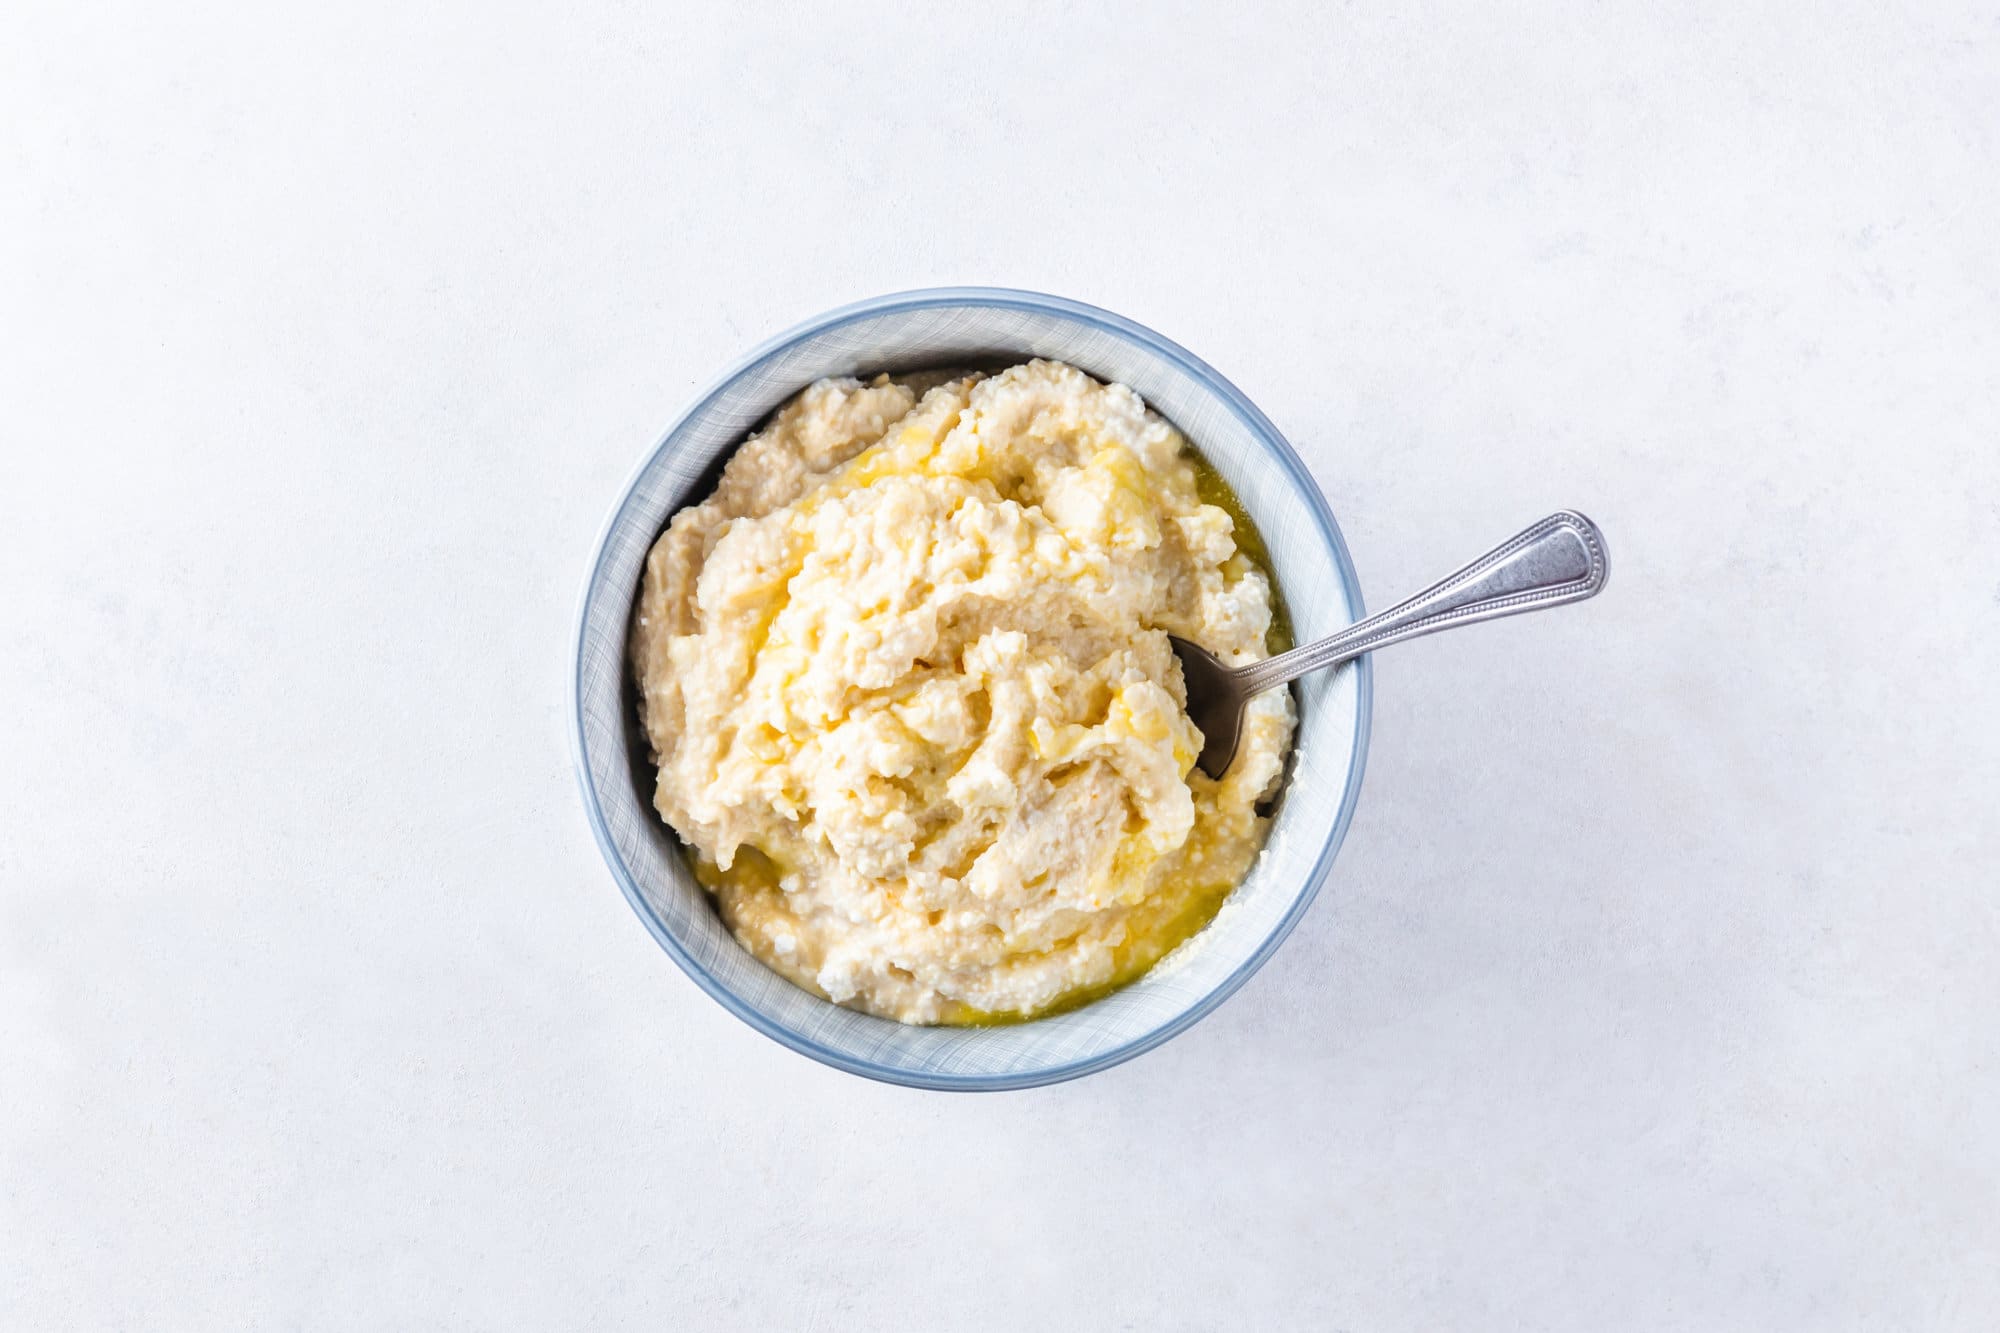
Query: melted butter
[(752, 869), (1213, 490), (1154, 930)]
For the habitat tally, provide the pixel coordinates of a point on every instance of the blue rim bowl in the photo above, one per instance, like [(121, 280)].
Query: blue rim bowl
[(960, 326)]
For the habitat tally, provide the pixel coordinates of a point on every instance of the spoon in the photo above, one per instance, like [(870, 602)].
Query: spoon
[(1560, 559)]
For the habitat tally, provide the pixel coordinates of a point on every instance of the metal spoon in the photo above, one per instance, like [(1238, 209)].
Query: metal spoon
[(1560, 559)]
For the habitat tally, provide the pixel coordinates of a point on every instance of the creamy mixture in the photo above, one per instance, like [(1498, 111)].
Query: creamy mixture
[(907, 679)]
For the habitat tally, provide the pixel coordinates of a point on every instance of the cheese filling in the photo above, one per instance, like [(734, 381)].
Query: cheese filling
[(907, 679)]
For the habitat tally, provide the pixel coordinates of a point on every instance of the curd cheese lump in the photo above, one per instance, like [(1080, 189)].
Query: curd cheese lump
[(907, 680)]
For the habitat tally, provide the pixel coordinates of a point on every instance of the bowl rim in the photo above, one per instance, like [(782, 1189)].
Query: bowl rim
[(1250, 416)]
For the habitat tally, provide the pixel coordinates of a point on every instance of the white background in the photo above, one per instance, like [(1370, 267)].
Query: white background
[(1656, 986)]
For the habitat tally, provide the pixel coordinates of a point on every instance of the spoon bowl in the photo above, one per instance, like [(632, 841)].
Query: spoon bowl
[(1552, 563)]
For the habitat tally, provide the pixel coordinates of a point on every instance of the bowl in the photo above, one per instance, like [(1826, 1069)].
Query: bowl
[(976, 326)]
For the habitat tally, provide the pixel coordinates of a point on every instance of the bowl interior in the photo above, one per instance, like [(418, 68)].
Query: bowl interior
[(955, 328)]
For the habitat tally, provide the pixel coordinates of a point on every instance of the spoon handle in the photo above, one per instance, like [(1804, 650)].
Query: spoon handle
[(1560, 559)]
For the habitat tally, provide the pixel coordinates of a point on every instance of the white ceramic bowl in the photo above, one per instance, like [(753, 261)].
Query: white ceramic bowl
[(957, 326)]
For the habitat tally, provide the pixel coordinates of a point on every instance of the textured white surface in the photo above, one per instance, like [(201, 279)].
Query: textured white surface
[(1656, 986)]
